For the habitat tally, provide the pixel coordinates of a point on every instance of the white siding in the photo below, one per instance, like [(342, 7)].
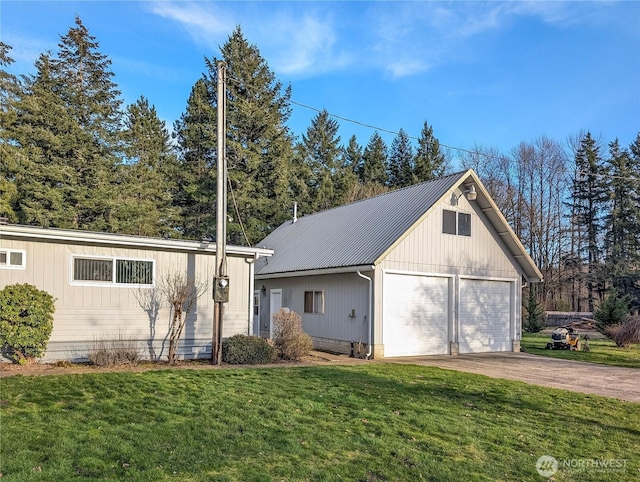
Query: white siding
[(342, 294), (84, 313)]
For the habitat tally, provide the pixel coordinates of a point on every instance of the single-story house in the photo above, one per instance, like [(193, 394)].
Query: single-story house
[(429, 269), (106, 286)]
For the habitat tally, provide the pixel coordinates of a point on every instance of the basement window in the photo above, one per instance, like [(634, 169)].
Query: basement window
[(112, 271), (314, 302), (454, 222), (13, 259)]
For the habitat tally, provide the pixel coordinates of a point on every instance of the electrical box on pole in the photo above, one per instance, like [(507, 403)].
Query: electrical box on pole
[(221, 289)]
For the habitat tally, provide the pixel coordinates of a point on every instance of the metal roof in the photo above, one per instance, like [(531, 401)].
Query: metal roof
[(361, 233), (123, 240), (354, 234)]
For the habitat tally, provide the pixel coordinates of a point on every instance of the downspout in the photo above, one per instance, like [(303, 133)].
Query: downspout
[(251, 289), (369, 347)]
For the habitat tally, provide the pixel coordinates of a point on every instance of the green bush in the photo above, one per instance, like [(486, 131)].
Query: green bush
[(26, 321), (291, 341), (533, 321), (614, 310), (247, 350)]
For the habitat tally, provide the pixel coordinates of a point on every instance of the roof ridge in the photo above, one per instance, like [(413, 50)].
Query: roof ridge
[(384, 194)]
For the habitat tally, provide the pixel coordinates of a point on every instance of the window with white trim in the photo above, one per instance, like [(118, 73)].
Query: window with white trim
[(454, 222), (112, 271), (13, 258), (314, 302)]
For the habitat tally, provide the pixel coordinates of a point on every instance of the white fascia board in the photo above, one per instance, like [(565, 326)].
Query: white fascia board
[(316, 272), (125, 241)]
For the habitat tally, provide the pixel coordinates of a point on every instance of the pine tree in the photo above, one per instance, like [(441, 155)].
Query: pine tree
[(259, 143), (588, 198), (353, 156), (67, 128), (10, 90), (622, 240), (322, 151), (429, 161), (144, 204), (194, 195), (374, 161), (400, 170)]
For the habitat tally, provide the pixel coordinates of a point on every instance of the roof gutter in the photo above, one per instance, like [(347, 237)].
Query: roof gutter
[(369, 347)]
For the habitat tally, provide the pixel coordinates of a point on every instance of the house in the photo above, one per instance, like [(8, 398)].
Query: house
[(429, 269), (106, 286)]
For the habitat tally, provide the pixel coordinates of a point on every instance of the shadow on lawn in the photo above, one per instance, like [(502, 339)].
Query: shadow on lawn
[(467, 392)]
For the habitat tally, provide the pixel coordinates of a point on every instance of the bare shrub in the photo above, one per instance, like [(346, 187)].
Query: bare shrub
[(290, 340), (182, 293), (628, 333), (117, 350), (611, 331)]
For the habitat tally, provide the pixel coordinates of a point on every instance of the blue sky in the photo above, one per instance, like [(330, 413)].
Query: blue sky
[(481, 73)]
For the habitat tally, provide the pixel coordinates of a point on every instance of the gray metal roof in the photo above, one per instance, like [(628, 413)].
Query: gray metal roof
[(359, 234), (352, 235)]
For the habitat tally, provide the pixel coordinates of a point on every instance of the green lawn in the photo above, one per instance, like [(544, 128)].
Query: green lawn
[(601, 351), (373, 422)]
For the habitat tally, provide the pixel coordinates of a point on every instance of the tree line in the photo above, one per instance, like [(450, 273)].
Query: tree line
[(73, 156)]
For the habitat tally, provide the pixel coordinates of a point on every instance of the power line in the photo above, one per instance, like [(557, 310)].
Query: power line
[(455, 148)]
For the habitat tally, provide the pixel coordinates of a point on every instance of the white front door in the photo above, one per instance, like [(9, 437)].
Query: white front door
[(275, 303), (256, 313)]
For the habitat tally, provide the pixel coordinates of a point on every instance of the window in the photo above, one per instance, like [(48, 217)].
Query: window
[(449, 222), (112, 271), (13, 259), (464, 224), (314, 302), (456, 223)]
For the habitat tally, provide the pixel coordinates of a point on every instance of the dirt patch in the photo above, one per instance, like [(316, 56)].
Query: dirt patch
[(66, 368)]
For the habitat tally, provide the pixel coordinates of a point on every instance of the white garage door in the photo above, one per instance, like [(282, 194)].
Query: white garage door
[(485, 310), (415, 315)]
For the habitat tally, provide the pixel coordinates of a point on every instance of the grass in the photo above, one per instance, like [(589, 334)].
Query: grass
[(601, 351), (374, 422)]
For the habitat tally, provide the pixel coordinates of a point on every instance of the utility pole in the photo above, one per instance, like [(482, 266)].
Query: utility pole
[(221, 279)]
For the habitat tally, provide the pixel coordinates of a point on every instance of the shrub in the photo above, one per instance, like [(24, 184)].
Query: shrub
[(26, 321), (114, 351), (291, 342), (614, 310), (247, 350), (533, 321), (628, 333)]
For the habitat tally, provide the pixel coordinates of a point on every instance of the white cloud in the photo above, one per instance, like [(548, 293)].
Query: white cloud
[(205, 22)]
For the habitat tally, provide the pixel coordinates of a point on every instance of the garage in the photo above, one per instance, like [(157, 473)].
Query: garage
[(416, 315), (484, 316)]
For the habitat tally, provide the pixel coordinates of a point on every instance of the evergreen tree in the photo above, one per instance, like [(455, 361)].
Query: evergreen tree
[(400, 170), (622, 239), (9, 91), (259, 144), (67, 127), (321, 146), (374, 161), (194, 195), (429, 161), (353, 156), (144, 206), (588, 197)]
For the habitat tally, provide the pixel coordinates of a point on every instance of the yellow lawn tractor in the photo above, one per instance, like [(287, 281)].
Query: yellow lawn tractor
[(564, 338)]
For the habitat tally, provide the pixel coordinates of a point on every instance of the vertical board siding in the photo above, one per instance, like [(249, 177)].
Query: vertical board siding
[(342, 294), (427, 249), (86, 313)]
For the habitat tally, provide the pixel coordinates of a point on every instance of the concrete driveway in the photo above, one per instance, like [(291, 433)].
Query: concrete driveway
[(591, 378)]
